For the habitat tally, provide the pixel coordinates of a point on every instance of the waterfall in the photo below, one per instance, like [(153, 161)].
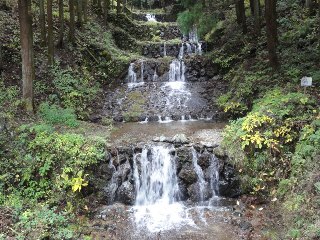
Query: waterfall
[(177, 71), (157, 190), (164, 49), (113, 186), (214, 175), (151, 17), (181, 52), (189, 48), (155, 76), (132, 76), (201, 181), (194, 39), (142, 71)]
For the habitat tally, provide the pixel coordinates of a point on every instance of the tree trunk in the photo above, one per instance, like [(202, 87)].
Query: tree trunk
[(106, 6), (72, 22), (252, 7), (79, 12), (42, 21), (27, 56), (85, 10), (118, 7), (61, 23), (50, 33), (238, 14), (272, 35), (257, 16), (241, 15)]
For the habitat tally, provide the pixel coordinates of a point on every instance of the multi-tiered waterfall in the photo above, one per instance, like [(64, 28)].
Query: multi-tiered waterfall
[(172, 182)]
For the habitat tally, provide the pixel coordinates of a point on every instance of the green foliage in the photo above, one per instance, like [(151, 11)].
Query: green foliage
[(9, 100), (54, 114), (47, 155), (75, 91), (266, 134), (196, 17), (44, 222)]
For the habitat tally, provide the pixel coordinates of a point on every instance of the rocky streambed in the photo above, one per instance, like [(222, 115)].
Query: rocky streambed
[(196, 196)]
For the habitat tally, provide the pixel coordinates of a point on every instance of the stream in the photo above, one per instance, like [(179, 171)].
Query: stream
[(165, 176)]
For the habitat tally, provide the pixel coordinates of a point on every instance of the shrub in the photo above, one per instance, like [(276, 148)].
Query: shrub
[(75, 91), (54, 114), (44, 223)]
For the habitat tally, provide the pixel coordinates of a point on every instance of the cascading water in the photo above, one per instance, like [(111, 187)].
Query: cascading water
[(157, 191), (151, 17), (200, 176), (155, 76), (177, 71), (132, 76), (214, 180), (164, 49), (142, 71), (194, 39)]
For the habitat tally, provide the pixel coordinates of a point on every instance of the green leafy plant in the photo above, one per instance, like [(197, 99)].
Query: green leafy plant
[(54, 114)]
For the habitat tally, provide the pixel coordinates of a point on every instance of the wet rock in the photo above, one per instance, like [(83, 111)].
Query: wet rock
[(184, 156), (195, 192), (123, 171), (180, 138), (187, 174), (125, 193), (204, 160), (106, 171)]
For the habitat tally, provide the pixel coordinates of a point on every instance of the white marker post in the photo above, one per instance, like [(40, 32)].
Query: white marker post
[(306, 82)]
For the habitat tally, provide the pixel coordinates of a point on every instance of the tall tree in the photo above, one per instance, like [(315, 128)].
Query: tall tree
[(79, 12), (256, 6), (50, 33), (26, 37), (118, 7), (61, 23), (72, 22), (106, 7), (99, 6), (85, 10), (42, 21), (272, 31), (252, 7), (241, 15)]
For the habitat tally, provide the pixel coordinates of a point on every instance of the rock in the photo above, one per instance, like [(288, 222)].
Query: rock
[(187, 174), (106, 171), (180, 138), (123, 172), (184, 155), (204, 160), (244, 225), (162, 139), (219, 152), (125, 193), (194, 192), (95, 118)]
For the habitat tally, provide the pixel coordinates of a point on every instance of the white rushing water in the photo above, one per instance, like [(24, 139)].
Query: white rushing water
[(151, 17), (164, 49), (214, 176), (201, 182), (157, 191), (132, 76)]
